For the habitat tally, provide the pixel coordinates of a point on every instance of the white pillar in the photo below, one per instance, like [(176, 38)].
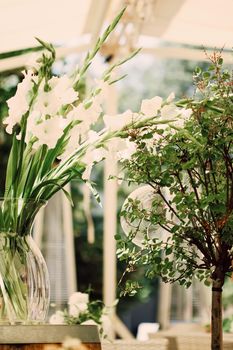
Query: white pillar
[(110, 209), (205, 303), (188, 308), (69, 243), (164, 305), (110, 215)]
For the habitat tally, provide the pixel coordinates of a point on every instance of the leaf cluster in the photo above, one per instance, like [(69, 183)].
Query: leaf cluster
[(191, 169)]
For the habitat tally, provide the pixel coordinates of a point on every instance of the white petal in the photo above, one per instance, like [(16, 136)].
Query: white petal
[(126, 153), (151, 106), (169, 112), (117, 122), (48, 132)]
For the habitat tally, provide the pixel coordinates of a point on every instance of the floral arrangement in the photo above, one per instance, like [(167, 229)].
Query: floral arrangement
[(56, 137)]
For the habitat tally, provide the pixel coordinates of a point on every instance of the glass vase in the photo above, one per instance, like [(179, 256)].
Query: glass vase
[(24, 279)]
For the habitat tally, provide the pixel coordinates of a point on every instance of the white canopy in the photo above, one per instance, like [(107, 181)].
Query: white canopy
[(195, 22), (67, 22), (53, 20)]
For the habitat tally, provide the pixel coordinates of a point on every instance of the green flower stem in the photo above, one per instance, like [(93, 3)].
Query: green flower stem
[(13, 289), (91, 55)]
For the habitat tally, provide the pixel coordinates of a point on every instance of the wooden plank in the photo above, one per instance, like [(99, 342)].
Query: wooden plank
[(47, 334)]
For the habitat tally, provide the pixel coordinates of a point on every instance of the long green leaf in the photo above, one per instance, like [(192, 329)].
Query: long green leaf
[(34, 169), (52, 154), (94, 192)]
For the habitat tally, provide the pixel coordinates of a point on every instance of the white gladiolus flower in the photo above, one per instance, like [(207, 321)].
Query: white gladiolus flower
[(77, 113), (33, 119), (45, 103), (87, 116), (116, 144), (61, 93), (92, 112), (186, 113), (180, 116), (57, 318), (150, 107), (92, 136), (92, 156), (95, 109), (126, 153), (62, 89), (184, 116), (169, 112), (117, 122), (47, 132), (19, 104), (121, 149)]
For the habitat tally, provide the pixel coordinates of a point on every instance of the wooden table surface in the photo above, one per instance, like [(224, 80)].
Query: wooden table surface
[(89, 346), (47, 337)]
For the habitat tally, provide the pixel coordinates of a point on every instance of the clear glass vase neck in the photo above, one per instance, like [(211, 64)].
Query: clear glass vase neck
[(17, 214)]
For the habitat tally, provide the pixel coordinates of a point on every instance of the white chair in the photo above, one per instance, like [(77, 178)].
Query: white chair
[(145, 328)]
